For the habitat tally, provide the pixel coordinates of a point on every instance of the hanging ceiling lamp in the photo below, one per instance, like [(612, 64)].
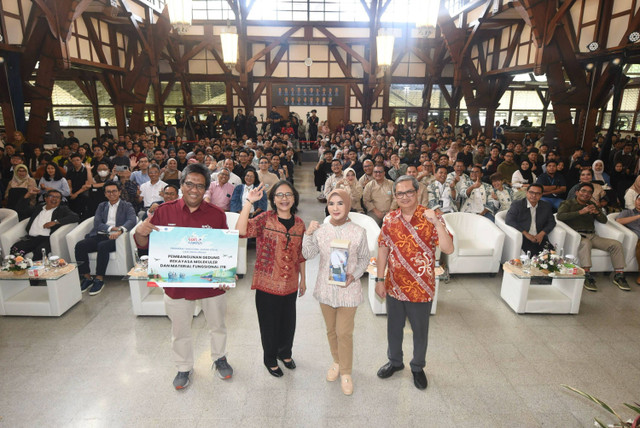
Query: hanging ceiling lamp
[(384, 45), (229, 40), (180, 14)]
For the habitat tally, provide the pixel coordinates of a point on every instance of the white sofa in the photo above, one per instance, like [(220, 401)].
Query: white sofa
[(8, 219), (513, 238), (628, 243), (120, 260), (232, 219), (57, 239), (477, 244), (600, 259)]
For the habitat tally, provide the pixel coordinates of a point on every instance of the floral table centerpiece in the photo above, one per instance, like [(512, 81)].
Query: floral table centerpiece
[(16, 264), (549, 261)]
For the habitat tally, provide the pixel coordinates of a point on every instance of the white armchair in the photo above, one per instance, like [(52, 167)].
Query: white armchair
[(600, 259), (513, 238), (370, 226), (8, 219), (628, 243), (477, 244), (232, 219), (57, 238), (120, 260)]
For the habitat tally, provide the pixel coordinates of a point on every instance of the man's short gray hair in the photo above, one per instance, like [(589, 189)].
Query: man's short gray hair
[(410, 178)]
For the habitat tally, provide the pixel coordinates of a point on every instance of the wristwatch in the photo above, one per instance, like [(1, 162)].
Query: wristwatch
[(379, 279)]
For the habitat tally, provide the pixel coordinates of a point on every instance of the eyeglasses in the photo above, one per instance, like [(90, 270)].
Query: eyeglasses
[(281, 195), (534, 193), (407, 194), (378, 172), (111, 191), (190, 185)]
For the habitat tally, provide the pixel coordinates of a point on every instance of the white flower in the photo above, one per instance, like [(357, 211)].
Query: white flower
[(544, 265)]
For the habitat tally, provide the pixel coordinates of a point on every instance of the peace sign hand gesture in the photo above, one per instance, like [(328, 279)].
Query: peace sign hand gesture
[(256, 193)]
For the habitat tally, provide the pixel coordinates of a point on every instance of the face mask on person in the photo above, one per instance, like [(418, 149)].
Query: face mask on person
[(103, 174)]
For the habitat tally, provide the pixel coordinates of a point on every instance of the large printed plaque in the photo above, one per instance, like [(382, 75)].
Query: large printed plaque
[(192, 257)]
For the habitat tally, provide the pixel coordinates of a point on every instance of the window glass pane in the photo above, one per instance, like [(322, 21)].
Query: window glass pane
[(169, 115), (522, 100), (625, 120), (175, 94), (606, 121), (151, 97), (406, 95), (610, 104), (67, 92), (107, 114), (533, 116), (73, 116), (312, 10), (103, 96), (629, 99), (208, 93)]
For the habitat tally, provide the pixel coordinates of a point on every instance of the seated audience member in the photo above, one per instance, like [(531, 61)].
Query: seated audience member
[(631, 219), (508, 167), (477, 196), (378, 195), (96, 192), (141, 176), (121, 158), (459, 176), (150, 191), (227, 164), (220, 191), (440, 194), (523, 177), (502, 194), (129, 191), (599, 176), (112, 218), (45, 219), (533, 218), (171, 173), (240, 193), (336, 176), (79, 179), (579, 214), (18, 188), (397, 169), (53, 180), (631, 194), (367, 166), (554, 185), (350, 183), (169, 193), (599, 195)]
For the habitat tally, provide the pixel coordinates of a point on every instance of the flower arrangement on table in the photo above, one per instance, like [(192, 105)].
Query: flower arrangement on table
[(16, 264), (548, 261)]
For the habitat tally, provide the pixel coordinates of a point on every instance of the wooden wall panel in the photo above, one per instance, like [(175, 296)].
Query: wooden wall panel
[(14, 30), (11, 6), (622, 6), (617, 30), (357, 71)]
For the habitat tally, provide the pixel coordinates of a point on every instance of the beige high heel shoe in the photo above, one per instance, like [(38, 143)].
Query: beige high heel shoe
[(333, 372), (347, 384)]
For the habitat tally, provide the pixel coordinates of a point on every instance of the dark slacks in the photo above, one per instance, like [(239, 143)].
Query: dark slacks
[(397, 313), (33, 244), (90, 244), (277, 319), (534, 247)]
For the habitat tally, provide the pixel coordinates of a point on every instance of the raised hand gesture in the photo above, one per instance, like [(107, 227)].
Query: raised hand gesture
[(256, 193)]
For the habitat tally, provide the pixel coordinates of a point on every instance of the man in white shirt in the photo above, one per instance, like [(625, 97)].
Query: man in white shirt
[(478, 196), (151, 129), (228, 164), (150, 191), (45, 219)]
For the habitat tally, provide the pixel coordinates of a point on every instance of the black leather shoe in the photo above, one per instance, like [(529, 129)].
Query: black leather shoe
[(388, 370), (420, 379), (275, 372), (289, 364)]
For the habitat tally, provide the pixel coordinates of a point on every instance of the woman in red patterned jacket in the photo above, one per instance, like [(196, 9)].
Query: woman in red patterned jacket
[(279, 275)]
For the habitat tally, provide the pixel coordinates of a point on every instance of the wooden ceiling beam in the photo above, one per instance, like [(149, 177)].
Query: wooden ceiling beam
[(270, 47), (365, 64)]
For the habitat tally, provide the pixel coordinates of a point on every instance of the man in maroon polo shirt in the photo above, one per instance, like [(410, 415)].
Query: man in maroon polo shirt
[(191, 211)]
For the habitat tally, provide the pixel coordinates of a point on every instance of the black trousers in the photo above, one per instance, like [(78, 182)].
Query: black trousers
[(277, 319), (33, 244), (100, 243), (533, 247)]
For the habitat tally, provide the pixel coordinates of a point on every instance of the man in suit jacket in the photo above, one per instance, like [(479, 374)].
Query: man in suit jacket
[(45, 219), (113, 218), (522, 211)]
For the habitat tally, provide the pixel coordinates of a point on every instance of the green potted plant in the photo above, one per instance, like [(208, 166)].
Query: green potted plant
[(635, 423)]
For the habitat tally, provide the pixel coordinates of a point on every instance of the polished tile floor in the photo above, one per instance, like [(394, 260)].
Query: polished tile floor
[(99, 365)]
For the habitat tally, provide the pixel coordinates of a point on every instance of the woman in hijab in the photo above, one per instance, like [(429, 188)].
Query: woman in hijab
[(599, 175), (338, 300), (354, 189), (521, 179), (19, 187)]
